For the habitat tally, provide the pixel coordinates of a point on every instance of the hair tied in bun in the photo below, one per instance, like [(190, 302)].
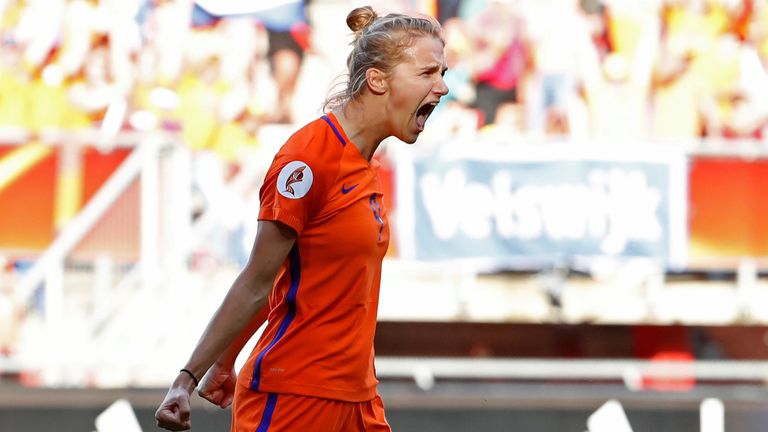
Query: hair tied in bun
[(360, 18)]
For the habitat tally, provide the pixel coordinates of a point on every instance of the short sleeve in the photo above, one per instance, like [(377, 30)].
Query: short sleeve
[(290, 190)]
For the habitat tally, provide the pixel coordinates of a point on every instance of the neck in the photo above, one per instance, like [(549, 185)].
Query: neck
[(365, 126)]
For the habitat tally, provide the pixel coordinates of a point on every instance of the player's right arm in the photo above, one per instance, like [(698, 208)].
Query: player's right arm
[(218, 384), (230, 327)]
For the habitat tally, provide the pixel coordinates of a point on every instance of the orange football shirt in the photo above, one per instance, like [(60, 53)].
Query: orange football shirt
[(323, 306)]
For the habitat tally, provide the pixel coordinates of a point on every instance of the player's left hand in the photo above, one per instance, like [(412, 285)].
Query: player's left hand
[(218, 385)]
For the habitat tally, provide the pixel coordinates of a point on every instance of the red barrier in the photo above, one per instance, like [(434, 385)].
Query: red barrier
[(728, 208), (27, 202)]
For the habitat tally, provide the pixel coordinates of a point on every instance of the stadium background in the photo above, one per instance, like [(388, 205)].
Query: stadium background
[(583, 221)]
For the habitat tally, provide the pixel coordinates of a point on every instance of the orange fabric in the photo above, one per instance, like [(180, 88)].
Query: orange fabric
[(319, 338), (271, 412)]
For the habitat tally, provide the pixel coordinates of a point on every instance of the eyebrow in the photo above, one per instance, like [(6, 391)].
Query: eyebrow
[(434, 66)]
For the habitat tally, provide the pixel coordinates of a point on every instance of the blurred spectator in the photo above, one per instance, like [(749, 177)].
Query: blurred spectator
[(242, 48), (80, 25), (47, 84), (38, 30), (627, 21), (199, 94), (12, 86), (595, 14), (745, 112), (166, 30), (91, 89), (679, 97), (561, 43), (41, 78), (288, 33), (617, 88), (121, 26), (324, 63), (499, 56), (697, 61)]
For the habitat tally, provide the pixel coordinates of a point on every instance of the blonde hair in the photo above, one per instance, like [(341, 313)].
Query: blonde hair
[(379, 42)]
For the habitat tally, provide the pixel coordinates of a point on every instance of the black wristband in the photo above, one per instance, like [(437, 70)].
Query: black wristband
[(194, 378)]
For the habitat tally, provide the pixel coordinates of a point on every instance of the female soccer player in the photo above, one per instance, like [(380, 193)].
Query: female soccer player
[(315, 267)]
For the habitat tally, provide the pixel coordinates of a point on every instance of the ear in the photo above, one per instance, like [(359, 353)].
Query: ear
[(377, 81)]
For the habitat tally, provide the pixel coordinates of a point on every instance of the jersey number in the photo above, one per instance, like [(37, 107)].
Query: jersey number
[(376, 208)]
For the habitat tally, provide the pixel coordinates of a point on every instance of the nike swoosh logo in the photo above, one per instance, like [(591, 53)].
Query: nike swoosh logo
[(346, 190)]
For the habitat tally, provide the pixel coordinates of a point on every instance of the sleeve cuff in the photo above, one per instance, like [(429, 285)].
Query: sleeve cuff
[(278, 215)]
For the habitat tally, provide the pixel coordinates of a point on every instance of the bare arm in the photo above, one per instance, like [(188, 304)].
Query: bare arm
[(228, 357), (241, 312)]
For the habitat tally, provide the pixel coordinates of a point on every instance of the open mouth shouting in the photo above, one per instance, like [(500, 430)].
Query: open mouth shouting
[(422, 114)]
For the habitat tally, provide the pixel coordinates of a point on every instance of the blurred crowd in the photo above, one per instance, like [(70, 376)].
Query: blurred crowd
[(620, 70), (214, 72), (150, 64)]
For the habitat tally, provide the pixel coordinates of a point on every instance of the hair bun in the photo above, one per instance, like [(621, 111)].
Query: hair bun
[(361, 18)]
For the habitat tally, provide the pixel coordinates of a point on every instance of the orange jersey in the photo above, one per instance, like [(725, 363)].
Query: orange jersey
[(323, 306)]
